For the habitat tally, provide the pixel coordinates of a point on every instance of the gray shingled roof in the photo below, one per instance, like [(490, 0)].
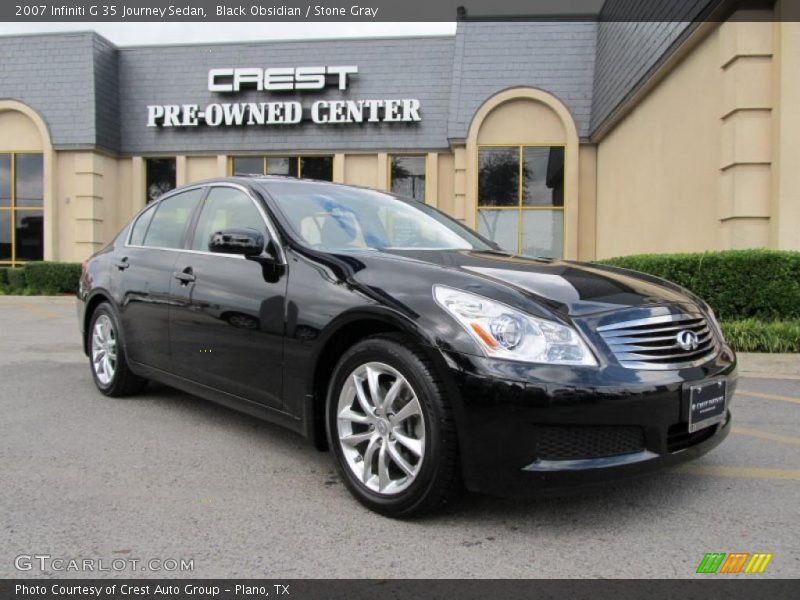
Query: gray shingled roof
[(93, 94)]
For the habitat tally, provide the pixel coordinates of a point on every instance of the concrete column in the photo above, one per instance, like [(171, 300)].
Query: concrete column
[(460, 209), (88, 198), (383, 171), (222, 165), (432, 179), (785, 226), (138, 178), (181, 176), (338, 167), (745, 188), (587, 203)]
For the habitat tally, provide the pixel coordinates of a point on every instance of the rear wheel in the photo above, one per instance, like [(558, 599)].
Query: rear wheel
[(110, 370), (390, 428)]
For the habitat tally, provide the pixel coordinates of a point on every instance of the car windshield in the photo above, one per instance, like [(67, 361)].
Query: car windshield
[(333, 217)]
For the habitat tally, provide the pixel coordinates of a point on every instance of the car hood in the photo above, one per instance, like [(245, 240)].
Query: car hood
[(571, 287)]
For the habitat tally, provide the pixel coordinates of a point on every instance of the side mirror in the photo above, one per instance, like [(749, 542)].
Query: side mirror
[(240, 240)]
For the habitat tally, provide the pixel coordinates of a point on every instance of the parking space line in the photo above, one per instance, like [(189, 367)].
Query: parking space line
[(767, 435), (774, 376), (745, 472), (768, 396)]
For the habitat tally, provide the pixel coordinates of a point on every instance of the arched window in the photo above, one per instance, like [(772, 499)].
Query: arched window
[(521, 198), (21, 207)]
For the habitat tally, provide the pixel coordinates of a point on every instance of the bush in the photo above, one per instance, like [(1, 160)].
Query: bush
[(750, 335), (17, 279), (53, 277), (738, 284), (41, 278), (4, 275)]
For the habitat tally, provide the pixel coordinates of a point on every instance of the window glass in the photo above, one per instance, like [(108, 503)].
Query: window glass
[(247, 165), (5, 235), (500, 226), (225, 208), (160, 177), (316, 167), (29, 237), (498, 176), (5, 180), (170, 220), (29, 175), (140, 227), (21, 207), (334, 217), (542, 233), (543, 176), (282, 166), (531, 222), (408, 176)]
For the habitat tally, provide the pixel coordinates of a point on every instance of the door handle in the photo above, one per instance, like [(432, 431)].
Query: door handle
[(185, 277), (122, 263)]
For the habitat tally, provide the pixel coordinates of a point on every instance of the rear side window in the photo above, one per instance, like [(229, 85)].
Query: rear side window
[(171, 218), (224, 208), (140, 227)]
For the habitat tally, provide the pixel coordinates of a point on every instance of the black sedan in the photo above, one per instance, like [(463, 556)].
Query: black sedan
[(423, 356)]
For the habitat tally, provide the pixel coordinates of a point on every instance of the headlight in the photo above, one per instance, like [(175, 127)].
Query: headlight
[(504, 332)]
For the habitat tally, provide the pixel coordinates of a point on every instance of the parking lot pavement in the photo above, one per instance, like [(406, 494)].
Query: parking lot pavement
[(168, 476)]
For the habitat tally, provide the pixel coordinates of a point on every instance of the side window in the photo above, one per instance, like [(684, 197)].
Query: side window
[(140, 227), (224, 208), (171, 218)]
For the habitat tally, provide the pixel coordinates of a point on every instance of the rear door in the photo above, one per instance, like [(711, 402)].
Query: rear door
[(143, 271), (227, 322)]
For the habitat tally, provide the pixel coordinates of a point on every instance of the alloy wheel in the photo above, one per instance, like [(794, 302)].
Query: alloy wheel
[(381, 428), (104, 350)]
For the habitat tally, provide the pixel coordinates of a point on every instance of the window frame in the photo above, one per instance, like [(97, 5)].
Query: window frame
[(174, 159), (520, 207), (424, 157), (12, 209), (189, 234), (189, 241), (265, 163)]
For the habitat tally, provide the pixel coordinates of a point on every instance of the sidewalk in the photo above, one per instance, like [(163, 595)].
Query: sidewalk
[(772, 366)]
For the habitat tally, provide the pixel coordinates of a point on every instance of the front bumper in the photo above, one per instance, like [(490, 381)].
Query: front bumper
[(527, 430)]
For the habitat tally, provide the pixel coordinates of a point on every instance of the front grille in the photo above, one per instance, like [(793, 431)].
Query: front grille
[(575, 443), (679, 438), (652, 343)]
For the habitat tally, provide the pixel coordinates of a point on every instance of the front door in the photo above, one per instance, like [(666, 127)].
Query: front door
[(227, 322)]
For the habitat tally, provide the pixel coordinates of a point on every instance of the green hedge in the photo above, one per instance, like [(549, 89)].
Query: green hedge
[(17, 279), (53, 277), (738, 284), (41, 278), (750, 335), (4, 275)]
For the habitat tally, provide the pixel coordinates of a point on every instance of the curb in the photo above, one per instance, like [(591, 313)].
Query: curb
[(769, 366)]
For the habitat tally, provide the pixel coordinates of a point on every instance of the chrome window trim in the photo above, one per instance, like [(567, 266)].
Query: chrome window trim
[(209, 186)]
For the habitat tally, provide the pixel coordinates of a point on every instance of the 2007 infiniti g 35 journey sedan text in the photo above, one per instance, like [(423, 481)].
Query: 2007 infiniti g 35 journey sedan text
[(412, 347)]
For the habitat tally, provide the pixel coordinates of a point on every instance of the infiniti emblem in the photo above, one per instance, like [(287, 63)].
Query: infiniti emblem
[(687, 340)]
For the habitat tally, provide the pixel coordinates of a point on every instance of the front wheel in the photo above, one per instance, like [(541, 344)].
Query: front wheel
[(391, 429), (110, 370)]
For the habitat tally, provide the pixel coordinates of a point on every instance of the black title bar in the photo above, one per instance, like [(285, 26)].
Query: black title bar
[(704, 586), (388, 10)]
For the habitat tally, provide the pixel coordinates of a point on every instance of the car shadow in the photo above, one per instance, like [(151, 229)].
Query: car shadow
[(623, 502)]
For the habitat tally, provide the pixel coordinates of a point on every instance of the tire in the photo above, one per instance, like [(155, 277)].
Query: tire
[(107, 359), (402, 461)]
